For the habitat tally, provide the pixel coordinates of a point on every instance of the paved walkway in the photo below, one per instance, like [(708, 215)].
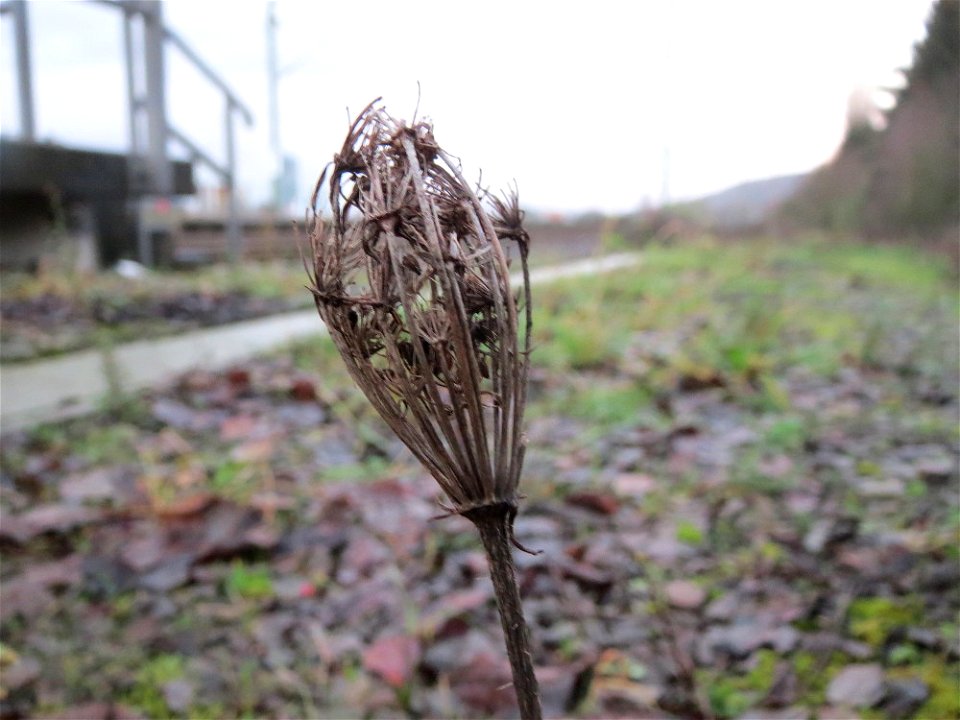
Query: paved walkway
[(76, 384)]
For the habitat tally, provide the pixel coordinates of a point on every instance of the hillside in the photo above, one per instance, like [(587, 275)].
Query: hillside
[(746, 205)]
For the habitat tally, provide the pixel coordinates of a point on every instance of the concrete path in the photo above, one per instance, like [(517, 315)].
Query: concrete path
[(75, 384)]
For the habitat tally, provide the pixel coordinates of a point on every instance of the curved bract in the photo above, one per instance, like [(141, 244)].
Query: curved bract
[(411, 278)]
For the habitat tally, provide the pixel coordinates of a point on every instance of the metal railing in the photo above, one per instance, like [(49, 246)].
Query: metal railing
[(149, 127)]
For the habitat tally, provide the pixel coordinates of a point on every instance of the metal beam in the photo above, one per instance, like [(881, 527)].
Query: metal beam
[(197, 154), (209, 74), (132, 99), (234, 232), (155, 99), (273, 75)]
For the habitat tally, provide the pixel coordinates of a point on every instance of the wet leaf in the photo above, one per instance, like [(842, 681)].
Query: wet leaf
[(393, 658)]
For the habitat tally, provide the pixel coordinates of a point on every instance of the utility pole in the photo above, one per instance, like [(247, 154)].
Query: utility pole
[(24, 70), (273, 79)]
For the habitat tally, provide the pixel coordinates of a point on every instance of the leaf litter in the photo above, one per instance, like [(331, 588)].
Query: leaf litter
[(256, 542)]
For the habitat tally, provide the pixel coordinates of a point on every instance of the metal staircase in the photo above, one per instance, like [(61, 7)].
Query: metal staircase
[(147, 171)]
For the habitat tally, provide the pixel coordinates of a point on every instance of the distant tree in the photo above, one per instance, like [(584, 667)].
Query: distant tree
[(904, 180), (936, 60)]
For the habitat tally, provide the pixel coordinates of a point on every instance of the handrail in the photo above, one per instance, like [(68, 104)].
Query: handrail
[(210, 75), (196, 153), (152, 102), (132, 6)]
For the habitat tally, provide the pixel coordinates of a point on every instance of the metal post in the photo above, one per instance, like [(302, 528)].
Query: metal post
[(234, 237), (132, 100), (273, 75), (273, 81), (24, 70), (153, 34)]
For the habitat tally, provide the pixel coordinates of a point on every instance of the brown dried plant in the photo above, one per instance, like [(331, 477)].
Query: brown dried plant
[(411, 278)]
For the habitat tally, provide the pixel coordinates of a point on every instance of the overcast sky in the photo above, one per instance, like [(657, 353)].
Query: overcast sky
[(587, 106)]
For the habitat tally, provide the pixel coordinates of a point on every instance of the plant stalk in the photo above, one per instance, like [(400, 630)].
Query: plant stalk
[(495, 524)]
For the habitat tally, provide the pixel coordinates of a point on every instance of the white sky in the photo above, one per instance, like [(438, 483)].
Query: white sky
[(579, 103)]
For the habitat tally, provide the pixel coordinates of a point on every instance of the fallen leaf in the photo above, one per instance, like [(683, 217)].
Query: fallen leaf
[(239, 379), (56, 573), (303, 390), (237, 427), (253, 451), (186, 505), (57, 518), (595, 501), (393, 658)]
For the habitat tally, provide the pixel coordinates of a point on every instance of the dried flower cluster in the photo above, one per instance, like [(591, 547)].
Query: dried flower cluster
[(413, 284), (412, 281)]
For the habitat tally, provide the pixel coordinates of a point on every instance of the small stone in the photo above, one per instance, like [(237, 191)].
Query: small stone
[(448, 655), (925, 638), (776, 467), (178, 694), (904, 698), (860, 685), (535, 526), (94, 485), (935, 470), (23, 672), (290, 588), (180, 417), (828, 531), (685, 595), (735, 641), (169, 574), (628, 458), (559, 687), (104, 576), (888, 488), (816, 538), (857, 650), (724, 607), (782, 639)]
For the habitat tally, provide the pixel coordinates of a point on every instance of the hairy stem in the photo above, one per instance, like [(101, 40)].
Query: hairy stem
[(495, 523)]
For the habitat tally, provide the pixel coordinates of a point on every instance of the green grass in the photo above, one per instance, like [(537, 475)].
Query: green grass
[(284, 279), (147, 691), (873, 619), (250, 582), (744, 312)]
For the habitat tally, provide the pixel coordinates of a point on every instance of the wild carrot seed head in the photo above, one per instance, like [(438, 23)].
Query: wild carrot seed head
[(411, 278)]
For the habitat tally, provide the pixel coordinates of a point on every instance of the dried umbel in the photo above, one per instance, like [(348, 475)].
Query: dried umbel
[(412, 280)]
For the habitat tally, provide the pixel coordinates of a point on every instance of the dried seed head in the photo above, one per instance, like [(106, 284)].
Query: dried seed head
[(411, 278)]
